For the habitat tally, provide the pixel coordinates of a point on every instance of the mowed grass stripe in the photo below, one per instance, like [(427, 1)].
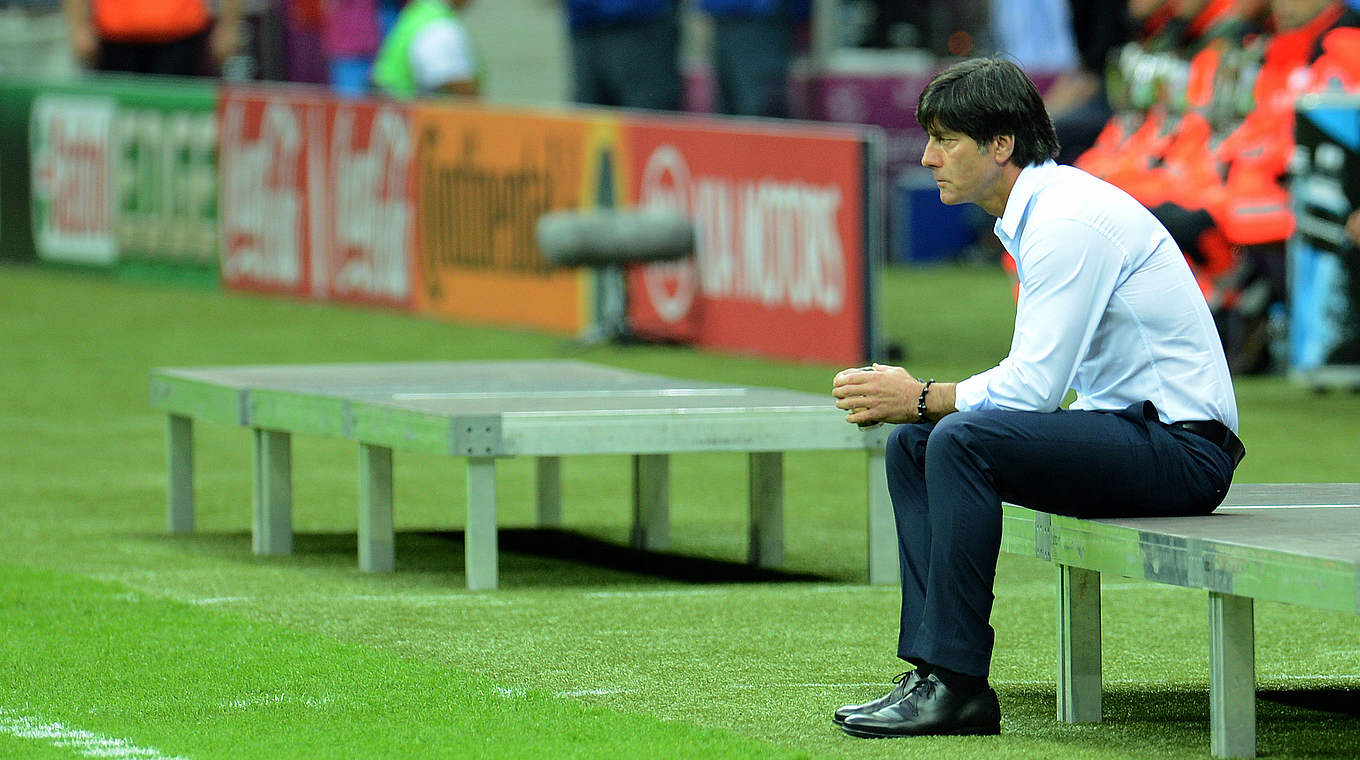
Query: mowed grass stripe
[(163, 675)]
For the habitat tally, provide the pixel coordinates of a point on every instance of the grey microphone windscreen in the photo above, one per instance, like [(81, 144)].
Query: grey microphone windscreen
[(596, 237)]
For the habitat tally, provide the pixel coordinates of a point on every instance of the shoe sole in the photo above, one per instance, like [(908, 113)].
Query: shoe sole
[(971, 731)]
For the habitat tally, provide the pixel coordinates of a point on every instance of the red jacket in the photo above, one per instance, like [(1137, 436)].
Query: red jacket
[(149, 21)]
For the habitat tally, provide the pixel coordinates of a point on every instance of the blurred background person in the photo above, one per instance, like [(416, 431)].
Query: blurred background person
[(1037, 34), (33, 38), (428, 52), (1079, 101), (178, 37), (626, 53), (753, 43), (349, 39)]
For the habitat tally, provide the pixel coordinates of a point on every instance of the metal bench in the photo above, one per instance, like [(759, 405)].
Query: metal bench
[(1295, 543), (543, 409)]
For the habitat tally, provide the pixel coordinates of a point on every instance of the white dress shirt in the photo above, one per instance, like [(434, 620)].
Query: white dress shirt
[(1108, 308)]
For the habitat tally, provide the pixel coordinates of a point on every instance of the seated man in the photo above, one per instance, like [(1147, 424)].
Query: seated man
[(1107, 308)]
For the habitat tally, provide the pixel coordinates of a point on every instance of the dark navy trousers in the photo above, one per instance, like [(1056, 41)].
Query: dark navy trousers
[(948, 480)]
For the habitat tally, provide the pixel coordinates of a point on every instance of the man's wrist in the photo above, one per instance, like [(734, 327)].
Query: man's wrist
[(921, 402)]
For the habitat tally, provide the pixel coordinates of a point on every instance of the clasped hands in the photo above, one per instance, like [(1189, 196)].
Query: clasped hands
[(878, 393)]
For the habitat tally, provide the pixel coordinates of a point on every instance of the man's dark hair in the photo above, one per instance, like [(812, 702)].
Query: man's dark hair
[(985, 98)]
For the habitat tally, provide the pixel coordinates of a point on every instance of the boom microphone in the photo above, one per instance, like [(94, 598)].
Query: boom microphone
[(605, 237)]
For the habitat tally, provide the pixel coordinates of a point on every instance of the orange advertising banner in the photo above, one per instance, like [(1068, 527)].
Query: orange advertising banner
[(482, 178)]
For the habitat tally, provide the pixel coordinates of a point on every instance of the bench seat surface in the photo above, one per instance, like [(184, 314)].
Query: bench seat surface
[(1287, 542)]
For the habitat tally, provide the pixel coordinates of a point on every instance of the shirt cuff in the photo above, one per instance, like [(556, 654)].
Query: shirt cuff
[(971, 394)]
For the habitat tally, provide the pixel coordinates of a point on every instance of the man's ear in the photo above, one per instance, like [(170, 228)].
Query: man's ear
[(1002, 148)]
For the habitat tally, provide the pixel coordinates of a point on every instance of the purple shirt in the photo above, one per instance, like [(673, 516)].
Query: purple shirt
[(351, 28)]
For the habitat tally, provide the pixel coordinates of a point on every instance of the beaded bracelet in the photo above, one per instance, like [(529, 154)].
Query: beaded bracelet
[(921, 402)]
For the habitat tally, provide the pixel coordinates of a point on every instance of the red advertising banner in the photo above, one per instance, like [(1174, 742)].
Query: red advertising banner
[(367, 242), (433, 207), (316, 197), (268, 153), (780, 261)]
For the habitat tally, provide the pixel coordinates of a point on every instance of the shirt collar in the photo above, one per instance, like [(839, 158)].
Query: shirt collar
[(1031, 179)]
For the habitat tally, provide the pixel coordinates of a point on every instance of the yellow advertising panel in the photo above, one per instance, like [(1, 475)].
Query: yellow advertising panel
[(481, 180)]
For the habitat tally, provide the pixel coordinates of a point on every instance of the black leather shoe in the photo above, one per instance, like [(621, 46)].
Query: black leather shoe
[(929, 709), (904, 683)]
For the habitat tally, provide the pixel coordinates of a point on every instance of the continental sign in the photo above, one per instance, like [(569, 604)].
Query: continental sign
[(482, 178), (117, 177)]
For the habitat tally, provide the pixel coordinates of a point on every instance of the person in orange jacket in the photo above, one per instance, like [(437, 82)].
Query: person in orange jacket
[(177, 37), (1246, 203)]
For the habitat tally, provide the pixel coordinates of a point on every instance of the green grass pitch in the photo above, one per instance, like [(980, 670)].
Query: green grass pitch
[(118, 638)]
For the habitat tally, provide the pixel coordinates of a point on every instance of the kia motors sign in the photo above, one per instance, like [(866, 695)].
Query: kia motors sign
[(782, 265)]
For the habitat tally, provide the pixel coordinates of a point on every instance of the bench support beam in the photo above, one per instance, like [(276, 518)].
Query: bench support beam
[(377, 534), (479, 540), (1232, 676), (273, 524), (1079, 678), (548, 477), (651, 502), (179, 445), (765, 483), (884, 565)]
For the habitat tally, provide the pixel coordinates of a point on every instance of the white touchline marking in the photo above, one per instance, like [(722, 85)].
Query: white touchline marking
[(220, 600), (275, 699), (592, 692), (86, 743)]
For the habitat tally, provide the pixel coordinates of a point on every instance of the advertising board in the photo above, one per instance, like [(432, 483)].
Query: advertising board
[(119, 172), (483, 177), (783, 266)]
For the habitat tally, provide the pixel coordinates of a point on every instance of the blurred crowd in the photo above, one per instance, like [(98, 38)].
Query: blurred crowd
[(1186, 104), (1194, 116)]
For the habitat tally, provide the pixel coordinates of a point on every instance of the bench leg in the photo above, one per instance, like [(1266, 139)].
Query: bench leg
[(179, 445), (884, 565), (377, 536), (273, 526), (1079, 678), (548, 474), (1232, 676), (765, 482), (651, 502), (480, 538)]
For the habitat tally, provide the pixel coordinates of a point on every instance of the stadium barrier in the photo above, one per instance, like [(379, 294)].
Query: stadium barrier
[(431, 206), (117, 173)]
